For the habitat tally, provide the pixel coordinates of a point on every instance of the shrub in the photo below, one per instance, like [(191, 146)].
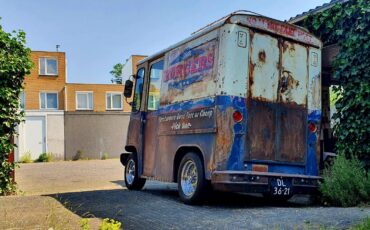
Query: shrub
[(107, 224), (78, 156), (110, 224), (15, 63), (345, 183), (45, 157), (26, 158), (105, 156), (85, 224), (364, 225)]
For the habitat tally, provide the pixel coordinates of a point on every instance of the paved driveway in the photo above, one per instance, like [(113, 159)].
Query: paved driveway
[(94, 189), (69, 176)]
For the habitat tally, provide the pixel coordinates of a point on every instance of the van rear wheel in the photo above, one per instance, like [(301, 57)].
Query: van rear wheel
[(191, 182), (132, 180)]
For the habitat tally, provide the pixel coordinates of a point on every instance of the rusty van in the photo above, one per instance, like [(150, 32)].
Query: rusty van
[(234, 107)]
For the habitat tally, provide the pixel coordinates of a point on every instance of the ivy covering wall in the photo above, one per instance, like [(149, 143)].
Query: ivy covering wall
[(15, 63), (348, 25)]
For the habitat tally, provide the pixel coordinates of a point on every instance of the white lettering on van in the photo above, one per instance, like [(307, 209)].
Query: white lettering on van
[(176, 126), (186, 125), (206, 113)]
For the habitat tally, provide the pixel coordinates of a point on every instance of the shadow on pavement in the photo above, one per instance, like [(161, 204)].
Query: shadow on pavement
[(223, 199), (159, 205)]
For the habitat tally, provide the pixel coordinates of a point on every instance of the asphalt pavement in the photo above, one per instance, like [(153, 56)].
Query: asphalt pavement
[(95, 188)]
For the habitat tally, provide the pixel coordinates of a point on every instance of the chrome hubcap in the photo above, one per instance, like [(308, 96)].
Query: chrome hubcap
[(130, 171), (189, 178)]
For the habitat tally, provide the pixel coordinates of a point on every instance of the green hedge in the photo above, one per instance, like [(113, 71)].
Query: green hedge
[(15, 63), (348, 25)]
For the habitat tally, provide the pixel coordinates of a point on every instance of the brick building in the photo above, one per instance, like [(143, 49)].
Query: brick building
[(62, 118)]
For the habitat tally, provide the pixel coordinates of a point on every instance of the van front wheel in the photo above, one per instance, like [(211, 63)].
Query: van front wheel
[(132, 180), (190, 179)]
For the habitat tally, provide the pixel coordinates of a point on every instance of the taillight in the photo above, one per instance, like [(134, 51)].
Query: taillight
[(238, 116), (312, 127)]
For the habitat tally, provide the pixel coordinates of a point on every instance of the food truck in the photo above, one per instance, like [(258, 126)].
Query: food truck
[(234, 107)]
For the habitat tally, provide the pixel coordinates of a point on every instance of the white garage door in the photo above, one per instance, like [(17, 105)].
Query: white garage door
[(34, 130)]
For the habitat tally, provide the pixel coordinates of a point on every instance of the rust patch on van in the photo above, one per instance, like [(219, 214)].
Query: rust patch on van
[(224, 138), (250, 79), (261, 130), (286, 84), (276, 131), (262, 56), (251, 66), (283, 44), (292, 129)]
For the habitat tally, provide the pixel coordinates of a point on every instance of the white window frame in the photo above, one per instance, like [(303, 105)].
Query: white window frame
[(46, 104), (111, 102), (46, 70), (86, 93)]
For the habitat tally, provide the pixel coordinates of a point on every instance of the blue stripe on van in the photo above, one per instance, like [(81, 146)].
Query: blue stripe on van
[(235, 161)]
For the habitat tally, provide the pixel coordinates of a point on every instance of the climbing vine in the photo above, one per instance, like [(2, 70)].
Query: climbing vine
[(15, 63), (348, 25)]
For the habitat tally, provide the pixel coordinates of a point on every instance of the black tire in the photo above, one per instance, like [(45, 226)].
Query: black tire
[(201, 186), (132, 180)]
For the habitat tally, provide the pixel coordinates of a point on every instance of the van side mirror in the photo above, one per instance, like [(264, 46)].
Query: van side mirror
[(128, 88)]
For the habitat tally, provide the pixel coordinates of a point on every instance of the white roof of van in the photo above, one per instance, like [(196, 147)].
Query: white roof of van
[(254, 20)]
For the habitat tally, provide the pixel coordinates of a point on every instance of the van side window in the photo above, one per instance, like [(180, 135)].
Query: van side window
[(156, 72), (138, 90)]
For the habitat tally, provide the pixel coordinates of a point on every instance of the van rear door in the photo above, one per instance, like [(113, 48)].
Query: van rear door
[(277, 99)]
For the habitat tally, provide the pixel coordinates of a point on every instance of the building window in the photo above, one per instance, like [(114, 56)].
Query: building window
[(22, 100), (48, 66), (114, 101), (48, 100), (84, 100)]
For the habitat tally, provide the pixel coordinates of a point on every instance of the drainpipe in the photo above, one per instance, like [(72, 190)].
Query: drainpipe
[(11, 160), (65, 98)]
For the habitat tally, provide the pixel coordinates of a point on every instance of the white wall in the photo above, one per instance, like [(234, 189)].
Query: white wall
[(127, 70), (53, 132), (55, 135)]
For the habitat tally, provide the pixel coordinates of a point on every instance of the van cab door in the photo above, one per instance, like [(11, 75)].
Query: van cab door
[(150, 118), (135, 128)]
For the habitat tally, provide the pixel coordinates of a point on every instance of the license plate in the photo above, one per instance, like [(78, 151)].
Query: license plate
[(281, 187)]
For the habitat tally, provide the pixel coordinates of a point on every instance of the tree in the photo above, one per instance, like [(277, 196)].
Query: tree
[(15, 63), (348, 25), (117, 73)]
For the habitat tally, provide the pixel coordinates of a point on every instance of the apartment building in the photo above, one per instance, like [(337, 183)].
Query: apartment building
[(95, 97), (43, 103), (65, 118)]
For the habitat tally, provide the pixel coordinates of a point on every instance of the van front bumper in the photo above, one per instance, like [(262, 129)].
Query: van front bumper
[(264, 182)]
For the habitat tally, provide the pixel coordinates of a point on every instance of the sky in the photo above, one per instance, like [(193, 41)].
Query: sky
[(96, 34)]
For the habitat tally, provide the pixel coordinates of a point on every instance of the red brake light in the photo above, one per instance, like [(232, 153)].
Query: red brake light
[(312, 127), (238, 116)]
